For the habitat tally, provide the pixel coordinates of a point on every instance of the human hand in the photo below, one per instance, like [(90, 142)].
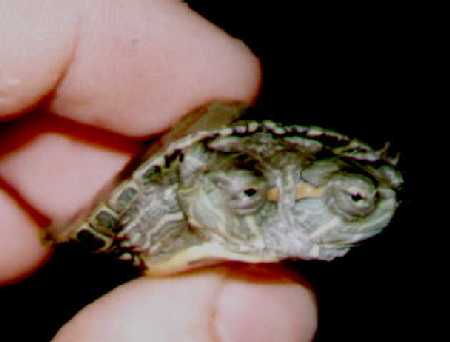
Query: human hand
[(81, 84)]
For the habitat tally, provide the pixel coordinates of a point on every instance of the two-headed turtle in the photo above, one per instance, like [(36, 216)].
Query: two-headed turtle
[(247, 191)]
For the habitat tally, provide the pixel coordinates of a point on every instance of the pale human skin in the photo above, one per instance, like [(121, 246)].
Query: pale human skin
[(131, 68)]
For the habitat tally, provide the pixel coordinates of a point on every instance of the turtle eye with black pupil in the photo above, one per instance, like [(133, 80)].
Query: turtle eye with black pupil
[(356, 197), (250, 192)]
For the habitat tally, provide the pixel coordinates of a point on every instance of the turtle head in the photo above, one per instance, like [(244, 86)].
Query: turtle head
[(337, 203), (281, 192), (315, 213), (300, 199)]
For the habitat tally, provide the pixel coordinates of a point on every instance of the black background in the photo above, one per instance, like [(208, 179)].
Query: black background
[(359, 70)]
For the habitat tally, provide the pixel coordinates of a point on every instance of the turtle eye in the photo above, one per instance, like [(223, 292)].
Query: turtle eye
[(247, 200), (357, 197), (351, 195), (243, 191), (250, 192)]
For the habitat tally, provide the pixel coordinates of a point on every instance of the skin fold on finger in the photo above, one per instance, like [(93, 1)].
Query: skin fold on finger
[(20, 242), (212, 305)]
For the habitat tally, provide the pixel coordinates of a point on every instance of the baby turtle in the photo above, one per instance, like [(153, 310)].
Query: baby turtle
[(248, 191)]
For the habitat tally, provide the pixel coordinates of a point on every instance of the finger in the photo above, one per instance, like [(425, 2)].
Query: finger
[(20, 243), (77, 56), (57, 169), (48, 177), (206, 306), (133, 67), (37, 41)]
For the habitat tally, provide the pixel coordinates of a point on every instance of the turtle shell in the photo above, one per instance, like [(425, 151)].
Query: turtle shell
[(250, 191)]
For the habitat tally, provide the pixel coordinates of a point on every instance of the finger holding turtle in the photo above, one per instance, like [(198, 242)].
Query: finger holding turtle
[(126, 86)]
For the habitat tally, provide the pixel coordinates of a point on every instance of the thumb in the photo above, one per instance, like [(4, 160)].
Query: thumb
[(217, 304)]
